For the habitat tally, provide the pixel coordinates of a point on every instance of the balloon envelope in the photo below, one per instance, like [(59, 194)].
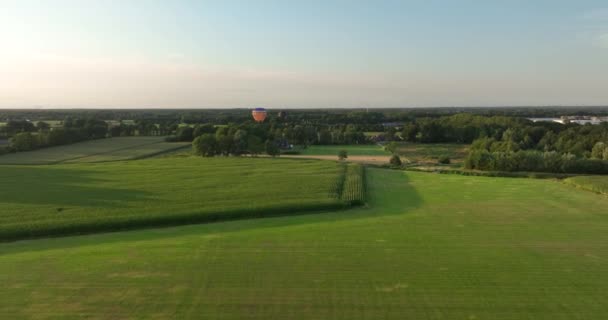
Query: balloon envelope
[(259, 114)]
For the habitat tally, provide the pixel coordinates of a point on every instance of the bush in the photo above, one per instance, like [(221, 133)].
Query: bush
[(444, 160), (342, 154), (395, 161)]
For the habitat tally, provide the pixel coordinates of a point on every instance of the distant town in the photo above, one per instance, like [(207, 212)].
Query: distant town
[(582, 120)]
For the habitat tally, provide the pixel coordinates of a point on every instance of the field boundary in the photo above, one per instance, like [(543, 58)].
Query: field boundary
[(587, 187), (503, 174)]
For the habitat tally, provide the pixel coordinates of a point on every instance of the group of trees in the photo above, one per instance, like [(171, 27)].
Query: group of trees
[(293, 134), (72, 131), (226, 142), (533, 160), (567, 148), (459, 128), (24, 135), (575, 139)]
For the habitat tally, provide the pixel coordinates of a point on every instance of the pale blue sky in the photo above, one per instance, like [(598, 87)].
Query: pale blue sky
[(302, 53)]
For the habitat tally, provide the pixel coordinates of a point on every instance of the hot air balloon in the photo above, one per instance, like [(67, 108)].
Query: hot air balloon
[(259, 114)]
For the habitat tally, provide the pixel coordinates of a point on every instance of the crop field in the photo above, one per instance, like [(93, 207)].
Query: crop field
[(112, 149), (426, 246), (429, 153), (352, 150), (598, 184), (59, 199)]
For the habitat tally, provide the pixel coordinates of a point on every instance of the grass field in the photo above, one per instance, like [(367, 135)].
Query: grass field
[(430, 152), (429, 246), (598, 184), (112, 149), (414, 152), (49, 200), (353, 150)]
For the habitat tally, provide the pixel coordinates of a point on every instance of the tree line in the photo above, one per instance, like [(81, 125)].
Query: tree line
[(569, 149)]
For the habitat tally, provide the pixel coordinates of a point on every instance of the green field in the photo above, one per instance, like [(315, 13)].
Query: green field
[(597, 184), (112, 149), (49, 200), (353, 150), (427, 246), (430, 152)]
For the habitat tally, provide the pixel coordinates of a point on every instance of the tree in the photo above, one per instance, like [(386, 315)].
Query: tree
[(239, 142), (272, 149), (342, 155), (24, 141), (202, 129), (395, 161), (410, 131), (205, 145), (598, 150), (391, 147), (42, 126), (255, 145)]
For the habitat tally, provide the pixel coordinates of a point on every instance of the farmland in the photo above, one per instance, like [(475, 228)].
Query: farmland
[(111, 149), (422, 249), (50, 200)]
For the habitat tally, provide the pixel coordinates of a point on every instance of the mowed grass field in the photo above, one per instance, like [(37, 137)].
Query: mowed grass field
[(111, 149), (59, 199), (427, 246)]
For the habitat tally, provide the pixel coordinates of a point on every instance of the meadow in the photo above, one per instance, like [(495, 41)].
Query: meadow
[(412, 153), (598, 184), (426, 246), (61, 199), (352, 150), (111, 149), (430, 152)]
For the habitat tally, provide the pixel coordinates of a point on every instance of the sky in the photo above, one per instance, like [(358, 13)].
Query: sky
[(299, 54)]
